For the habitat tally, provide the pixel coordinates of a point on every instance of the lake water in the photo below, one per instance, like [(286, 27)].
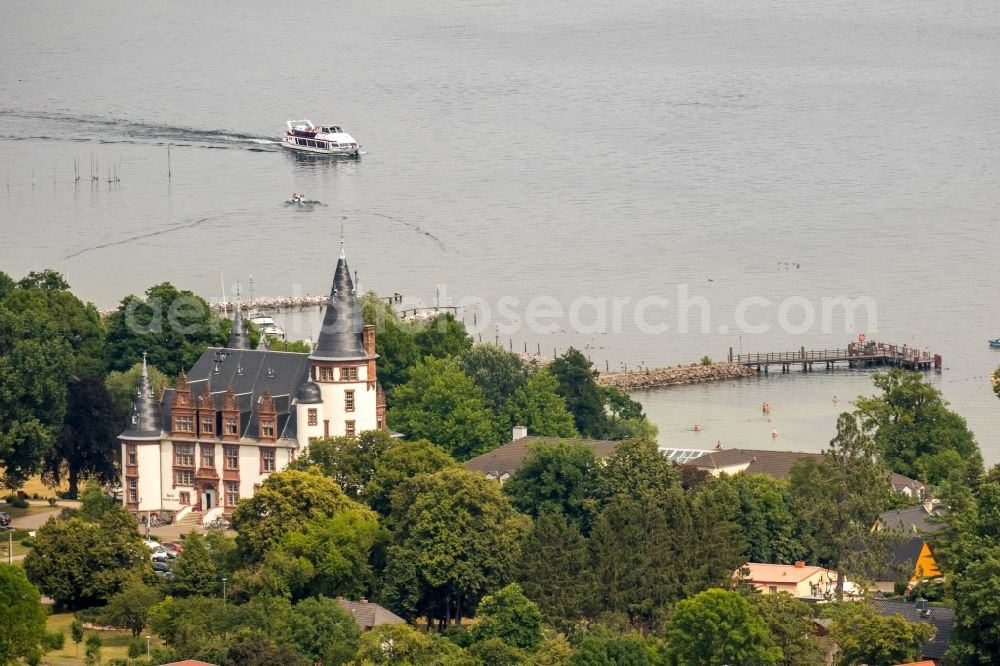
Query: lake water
[(636, 150)]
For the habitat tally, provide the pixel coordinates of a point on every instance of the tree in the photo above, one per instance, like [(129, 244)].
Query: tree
[(77, 322), (538, 406), (578, 386), (402, 461), (442, 337), (339, 550), (554, 651), (394, 644), (34, 365), (21, 616), (122, 385), (130, 608), (76, 632), (977, 634), (556, 477), (913, 428), (323, 631), (348, 460), (440, 403), (7, 285), (603, 648), (173, 327), (260, 650), (497, 372), (554, 570), (637, 469), (455, 538), (625, 417), (790, 623), (719, 627), (81, 563), (764, 510), (92, 649), (195, 572), (286, 502), (511, 617), (865, 637), (839, 498), (46, 280), (495, 652), (634, 570), (87, 446)]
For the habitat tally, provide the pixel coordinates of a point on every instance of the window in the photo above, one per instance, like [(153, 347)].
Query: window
[(267, 460), (185, 497), (312, 417), (183, 477), (267, 428), (232, 457), (232, 493), (349, 428), (184, 424), (207, 456), (230, 425), (133, 490), (349, 401), (349, 374), (326, 374), (208, 425), (131, 455), (773, 589), (184, 455)]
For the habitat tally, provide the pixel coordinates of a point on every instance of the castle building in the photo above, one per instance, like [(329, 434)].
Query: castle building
[(240, 414)]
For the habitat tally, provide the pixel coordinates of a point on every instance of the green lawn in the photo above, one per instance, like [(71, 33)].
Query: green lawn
[(19, 548), (115, 644)]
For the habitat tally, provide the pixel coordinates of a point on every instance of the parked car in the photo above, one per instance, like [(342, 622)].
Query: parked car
[(162, 568), (158, 551), (4, 519), (173, 548)]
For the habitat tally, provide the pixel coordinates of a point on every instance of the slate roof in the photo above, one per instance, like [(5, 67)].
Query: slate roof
[(941, 618), (899, 482), (369, 615), (340, 338), (777, 464), (249, 373), (507, 459), (144, 419), (914, 520)]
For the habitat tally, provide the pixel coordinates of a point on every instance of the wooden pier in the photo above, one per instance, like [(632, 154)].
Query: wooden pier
[(856, 355)]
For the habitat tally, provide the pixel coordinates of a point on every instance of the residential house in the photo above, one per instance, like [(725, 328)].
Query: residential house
[(368, 615), (799, 580), (939, 617), (913, 559), (776, 464)]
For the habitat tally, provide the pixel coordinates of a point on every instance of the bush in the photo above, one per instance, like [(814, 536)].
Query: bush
[(28, 543), (19, 534), (10, 499), (137, 647), (53, 641), (705, 360), (52, 501), (65, 494), (116, 662), (17, 502)]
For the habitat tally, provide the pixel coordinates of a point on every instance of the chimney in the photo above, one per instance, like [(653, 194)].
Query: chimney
[(368, 339), (799, 564), (928, 505), (519, 432)]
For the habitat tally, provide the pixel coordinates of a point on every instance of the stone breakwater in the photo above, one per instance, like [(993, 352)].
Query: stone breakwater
[(638, 380)]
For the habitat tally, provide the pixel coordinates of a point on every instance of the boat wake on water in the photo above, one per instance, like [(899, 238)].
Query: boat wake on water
[(63, 127)]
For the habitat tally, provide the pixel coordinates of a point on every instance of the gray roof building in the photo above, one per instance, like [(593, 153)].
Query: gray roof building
[(369, 615), (503, 461), (340, 337), (939, 617)]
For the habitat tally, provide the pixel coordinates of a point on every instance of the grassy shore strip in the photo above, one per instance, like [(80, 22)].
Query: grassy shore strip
[(694, 373)]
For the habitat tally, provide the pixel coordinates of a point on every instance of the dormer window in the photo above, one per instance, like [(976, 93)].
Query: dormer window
[(230, 425), (183, 424), (267, 428)]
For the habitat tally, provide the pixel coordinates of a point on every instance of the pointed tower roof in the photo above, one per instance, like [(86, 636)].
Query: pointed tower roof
[(341, 336), (144, 419), (238, 338)]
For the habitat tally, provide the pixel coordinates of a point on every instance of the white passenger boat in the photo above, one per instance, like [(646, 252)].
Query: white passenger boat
[(304, 136), (267, 325)]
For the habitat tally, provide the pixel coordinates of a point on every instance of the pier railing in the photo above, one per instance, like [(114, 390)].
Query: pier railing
[(875, 352)]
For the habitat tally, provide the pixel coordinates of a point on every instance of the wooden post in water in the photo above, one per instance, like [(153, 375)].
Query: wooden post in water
[(169, 170)]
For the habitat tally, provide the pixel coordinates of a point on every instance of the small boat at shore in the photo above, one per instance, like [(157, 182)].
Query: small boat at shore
[(995, 343), (304, 136)]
